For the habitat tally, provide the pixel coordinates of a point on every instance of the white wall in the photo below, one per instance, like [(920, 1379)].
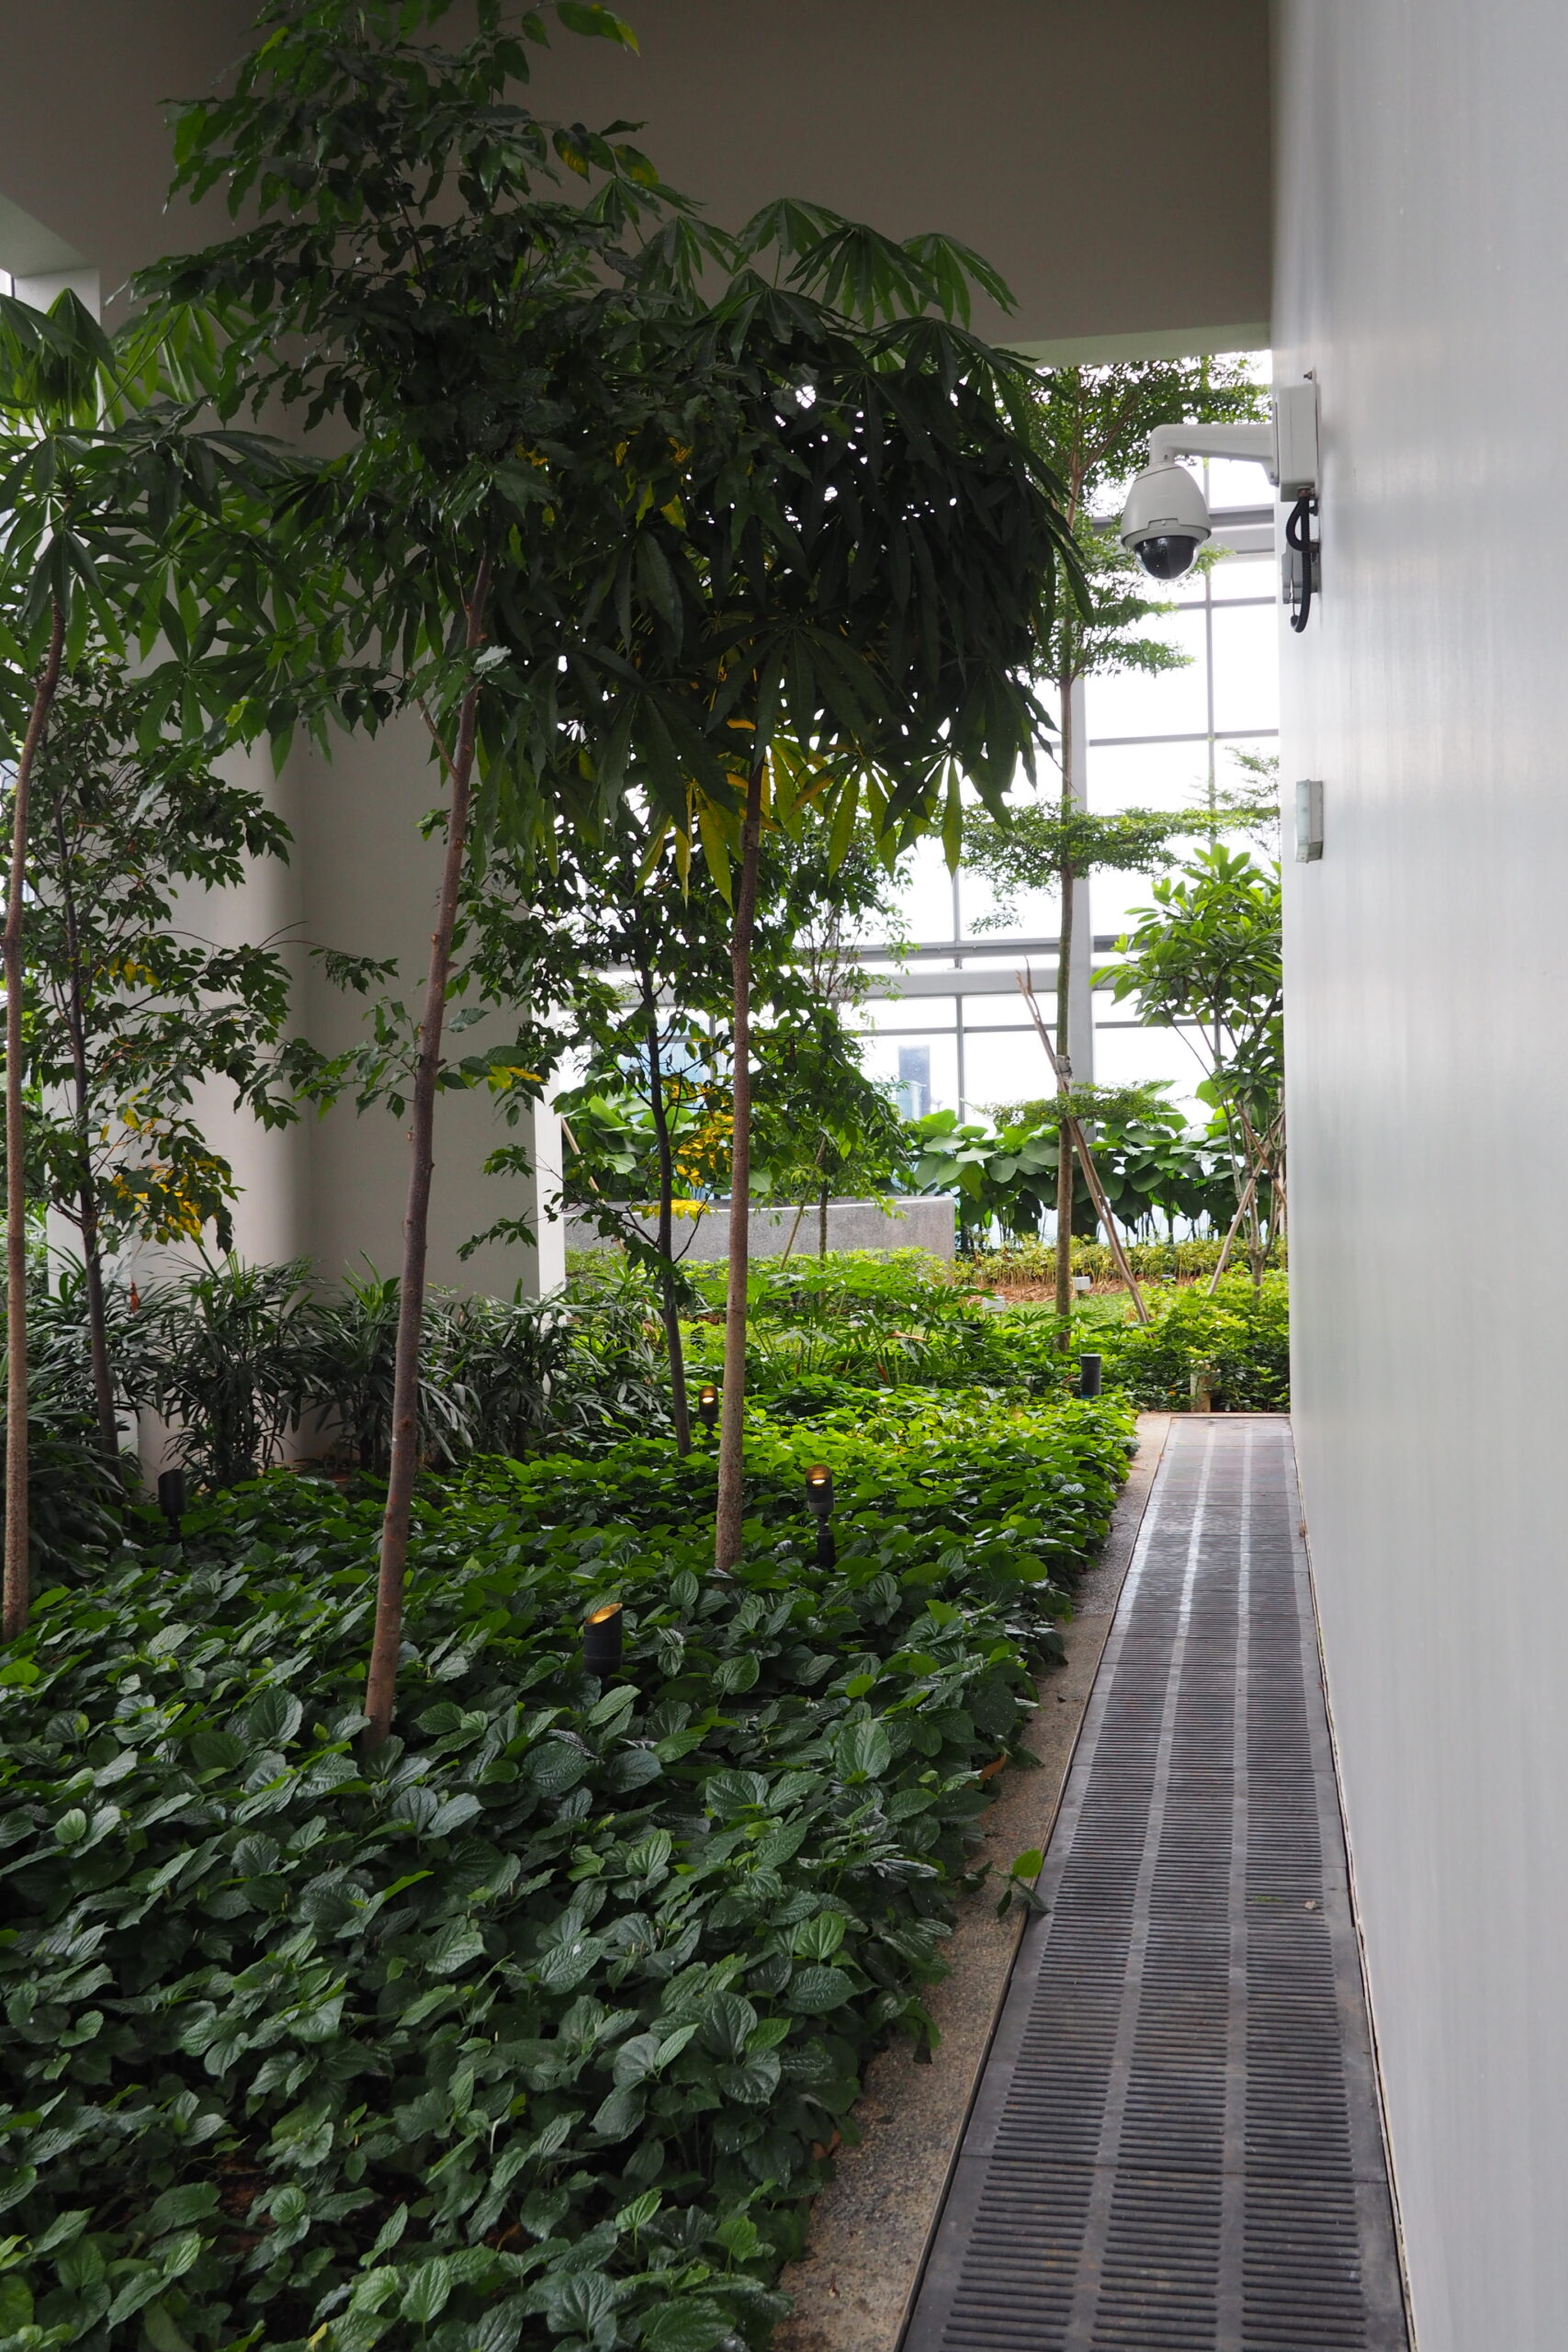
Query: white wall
[(1420, 269), (368, 885)]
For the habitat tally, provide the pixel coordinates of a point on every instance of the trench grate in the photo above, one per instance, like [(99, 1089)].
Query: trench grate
[(1174, 2146)]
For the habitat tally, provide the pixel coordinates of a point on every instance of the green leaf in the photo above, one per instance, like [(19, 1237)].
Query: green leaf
[(726, 2025), (819, 1938), (162, 2331), (178, 2208), (71, 1827), (451, 1814), (862, 1752), (425, 2297), (738, 1673), (272, 1717), (691, 2325), (579, 2303), (621, 2113), (640, 2212), (754, 2078), (814, 1991), (455, 1949), (588, 17)]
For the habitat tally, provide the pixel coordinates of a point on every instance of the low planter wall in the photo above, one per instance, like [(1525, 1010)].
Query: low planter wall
[(927, 1223)]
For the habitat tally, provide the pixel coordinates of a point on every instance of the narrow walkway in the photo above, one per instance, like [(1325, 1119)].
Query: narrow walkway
[(1174, 2146)]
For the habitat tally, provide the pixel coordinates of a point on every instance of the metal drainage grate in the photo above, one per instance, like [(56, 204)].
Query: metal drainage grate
[(1175, 2147)]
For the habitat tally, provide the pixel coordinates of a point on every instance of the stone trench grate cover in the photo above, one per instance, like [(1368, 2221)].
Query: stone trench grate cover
[(1176, 2144)]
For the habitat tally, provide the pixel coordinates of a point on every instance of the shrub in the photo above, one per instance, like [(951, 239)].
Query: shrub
[(1035, 1263), (1239, 1341), (239, 1357)]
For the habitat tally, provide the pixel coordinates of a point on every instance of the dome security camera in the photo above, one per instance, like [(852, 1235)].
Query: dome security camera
[(1165, 520)]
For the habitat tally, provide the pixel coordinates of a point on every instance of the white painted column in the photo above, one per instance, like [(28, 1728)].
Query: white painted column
[(1080, 1000)]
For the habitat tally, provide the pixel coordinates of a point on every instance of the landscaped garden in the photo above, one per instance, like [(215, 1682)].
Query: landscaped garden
[(545, 2013), (462, 1840)]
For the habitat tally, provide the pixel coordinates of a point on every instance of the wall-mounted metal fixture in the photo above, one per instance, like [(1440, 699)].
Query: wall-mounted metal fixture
[(602, 1640), (707, 1405), (1301, 574), (820, 1503), (172, 1498), (1167, 520), (1309, 819)]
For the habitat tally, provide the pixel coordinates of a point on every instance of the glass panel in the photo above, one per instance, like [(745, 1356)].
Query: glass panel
[(884, 1012), (924, 1069), (1245, 575), (1170, 702), (1119, 898), (1233, 481), (1034, 915), (1148, 775), (1003, 1071), (1006, 1007), (1247, 667), (1133, 1055), (926, 893)]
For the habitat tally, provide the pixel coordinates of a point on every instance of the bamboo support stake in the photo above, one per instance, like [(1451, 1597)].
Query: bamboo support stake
[(1247, 1192), (1086, 1158)]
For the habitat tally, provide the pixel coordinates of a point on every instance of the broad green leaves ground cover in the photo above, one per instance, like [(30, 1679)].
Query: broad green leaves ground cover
[(537, 2025), (830, 1334)]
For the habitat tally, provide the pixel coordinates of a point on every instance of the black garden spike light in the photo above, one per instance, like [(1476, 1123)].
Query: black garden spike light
[(819, 1503), (172, 1498), (1089, 1370), (707, 1405), (602, 1637)]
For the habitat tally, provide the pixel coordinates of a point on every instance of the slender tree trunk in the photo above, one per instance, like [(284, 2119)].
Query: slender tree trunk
[(381, 1681), (87, 1190), (17, 1576), (1063, 1034), (732, 1424), (669, 1305), (97, 1328), (822, 1199)]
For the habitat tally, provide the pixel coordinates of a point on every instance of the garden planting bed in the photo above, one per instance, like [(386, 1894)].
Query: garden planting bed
[(541, 2022), (547, 2022)]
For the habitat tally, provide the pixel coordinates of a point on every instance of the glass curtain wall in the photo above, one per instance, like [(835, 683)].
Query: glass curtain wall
[(1164, 740)]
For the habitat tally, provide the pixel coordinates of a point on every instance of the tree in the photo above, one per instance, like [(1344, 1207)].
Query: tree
[(1206, 960), (652, 1107), (509, 392), (870, 568), (1091, 424), (115, 499), (126, 1011), (537, 404)]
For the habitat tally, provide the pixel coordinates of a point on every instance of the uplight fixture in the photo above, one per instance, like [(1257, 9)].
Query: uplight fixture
[(602, 1640), (172, 1498), (819, 1503), (707, 1405)]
